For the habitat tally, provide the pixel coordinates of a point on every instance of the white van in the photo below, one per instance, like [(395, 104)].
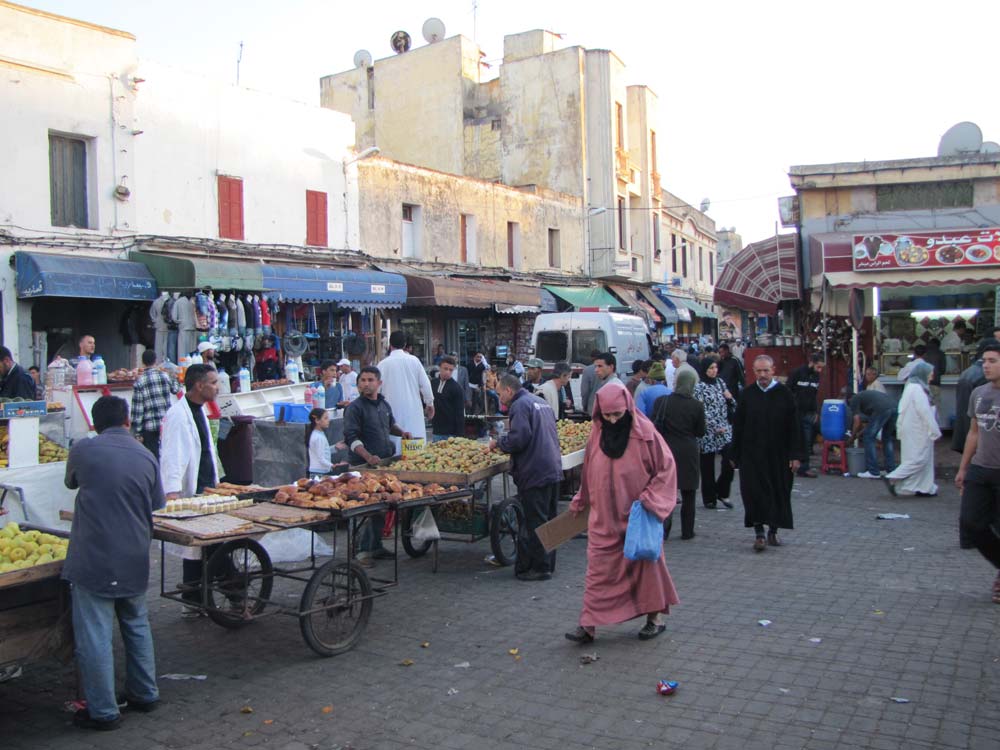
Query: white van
[(572, 336)]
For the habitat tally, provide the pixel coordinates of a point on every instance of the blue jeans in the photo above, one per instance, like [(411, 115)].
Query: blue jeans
[(807, 424), (93, 628), (886, 422)]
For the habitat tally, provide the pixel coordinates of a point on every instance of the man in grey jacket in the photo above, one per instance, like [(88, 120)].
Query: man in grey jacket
[(588, 383)]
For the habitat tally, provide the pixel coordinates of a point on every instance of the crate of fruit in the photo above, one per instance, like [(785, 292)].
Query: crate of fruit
[(454, 461), (461, 518)]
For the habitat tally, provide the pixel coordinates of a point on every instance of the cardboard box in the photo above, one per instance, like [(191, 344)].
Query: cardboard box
[(562, 528)]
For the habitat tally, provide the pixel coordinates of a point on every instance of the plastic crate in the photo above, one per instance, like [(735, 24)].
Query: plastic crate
[(476, 525), (292, 412)]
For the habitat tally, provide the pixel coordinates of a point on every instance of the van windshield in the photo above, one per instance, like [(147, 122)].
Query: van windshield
[(551, 346)]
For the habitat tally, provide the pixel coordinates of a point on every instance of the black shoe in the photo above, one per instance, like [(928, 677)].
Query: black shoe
[(726, 503), (128, 704), (889, 485), (383, 554), (711, 506), (580, 635), (533, 575), (650, 630), (82, 719), (687, 536), (924, 494)]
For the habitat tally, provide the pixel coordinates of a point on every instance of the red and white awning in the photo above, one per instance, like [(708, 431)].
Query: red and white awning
[(761, 275)]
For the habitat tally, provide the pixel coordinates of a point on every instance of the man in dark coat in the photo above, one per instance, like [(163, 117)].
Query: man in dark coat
[(17, 383), (804, 385), (730, 370), (767, 448)]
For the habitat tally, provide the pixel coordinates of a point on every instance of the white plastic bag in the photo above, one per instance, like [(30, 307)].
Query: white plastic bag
[(425, 528)]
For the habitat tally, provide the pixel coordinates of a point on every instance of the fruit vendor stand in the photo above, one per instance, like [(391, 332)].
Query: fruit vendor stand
[(238, 575), (35, 623)]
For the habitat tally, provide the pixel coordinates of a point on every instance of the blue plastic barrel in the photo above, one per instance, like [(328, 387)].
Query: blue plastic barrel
[(833, 419)]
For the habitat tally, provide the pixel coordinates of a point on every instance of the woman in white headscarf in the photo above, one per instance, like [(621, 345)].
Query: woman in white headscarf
[(917, 428)]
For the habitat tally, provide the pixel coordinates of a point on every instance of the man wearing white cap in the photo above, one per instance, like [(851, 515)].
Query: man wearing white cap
[(207, 351), (348, 380)]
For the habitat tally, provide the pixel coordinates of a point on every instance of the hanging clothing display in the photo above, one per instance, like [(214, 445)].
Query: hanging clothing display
[(159, 324), (187, 335)]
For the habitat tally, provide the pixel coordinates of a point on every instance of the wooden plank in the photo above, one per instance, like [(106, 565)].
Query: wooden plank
[(250, 531), (28, 575), (280, 515)]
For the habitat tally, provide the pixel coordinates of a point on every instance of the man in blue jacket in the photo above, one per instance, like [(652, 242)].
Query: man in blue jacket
[(533, 445)]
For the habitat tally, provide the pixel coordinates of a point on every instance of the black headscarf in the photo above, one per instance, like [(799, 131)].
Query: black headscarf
[(705, 364), (614, 436)]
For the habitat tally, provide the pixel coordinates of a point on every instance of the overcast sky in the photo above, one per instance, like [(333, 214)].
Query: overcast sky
[(746, 89)]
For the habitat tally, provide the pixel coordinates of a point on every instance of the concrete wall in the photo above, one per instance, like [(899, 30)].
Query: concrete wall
[(443, 198), (600, 148), (195, 129)]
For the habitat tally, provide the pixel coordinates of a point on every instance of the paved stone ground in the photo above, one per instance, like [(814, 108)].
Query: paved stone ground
[(900, 611)]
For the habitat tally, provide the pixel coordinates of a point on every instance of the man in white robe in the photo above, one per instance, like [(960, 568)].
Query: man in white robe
[(407, 388)]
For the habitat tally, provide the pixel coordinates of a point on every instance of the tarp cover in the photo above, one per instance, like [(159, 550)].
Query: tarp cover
[(174, 272), (51, 275), (342, 285), (584, 296), (441, 291)]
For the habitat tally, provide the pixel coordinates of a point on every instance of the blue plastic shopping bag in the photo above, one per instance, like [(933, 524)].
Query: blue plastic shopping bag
[(644, 536)]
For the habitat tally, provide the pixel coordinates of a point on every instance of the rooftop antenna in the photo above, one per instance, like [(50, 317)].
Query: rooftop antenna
[(960, 140), (433, 30), (475, 8), (239, 59)]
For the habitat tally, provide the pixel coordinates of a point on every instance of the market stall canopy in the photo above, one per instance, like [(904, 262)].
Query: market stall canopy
[(50, 275), (693, 307), (761, 275), (351, 287), (173, 272), (440, 291), (584, 296), (667, 313), (631, 298)]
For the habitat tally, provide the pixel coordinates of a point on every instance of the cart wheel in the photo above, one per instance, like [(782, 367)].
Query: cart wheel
[(240, 578), (340, 593), (413, 549), (505, 524)]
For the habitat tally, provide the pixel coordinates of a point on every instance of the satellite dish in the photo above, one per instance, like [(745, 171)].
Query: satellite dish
[(960, 139), (400, 42), (362, 59), (705, 205), (990, 147), (433, 30)]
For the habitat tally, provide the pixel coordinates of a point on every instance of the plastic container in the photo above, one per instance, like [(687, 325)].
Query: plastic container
[(99, 371), (244, 377), (833, 419), (309, 396), (319, 396), (856, 461), (292, 371), (84, 372), (291, 412)]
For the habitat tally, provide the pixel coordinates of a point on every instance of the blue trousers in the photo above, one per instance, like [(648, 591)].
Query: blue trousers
[(886, 422), (93, 629)]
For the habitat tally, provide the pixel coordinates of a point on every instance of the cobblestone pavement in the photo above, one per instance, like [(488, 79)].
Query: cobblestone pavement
[(862, 612)]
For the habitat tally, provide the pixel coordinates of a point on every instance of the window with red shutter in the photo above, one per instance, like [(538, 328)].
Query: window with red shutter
[(230, 207), (316, 219)]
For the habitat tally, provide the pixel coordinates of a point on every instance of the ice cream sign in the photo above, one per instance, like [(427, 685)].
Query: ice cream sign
[(922, 250)]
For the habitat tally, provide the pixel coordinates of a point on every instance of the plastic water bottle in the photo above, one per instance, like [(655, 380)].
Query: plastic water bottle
[(292, 371), (244, 380), (319, 396), (84, 372), (99, 371), (309, 397)]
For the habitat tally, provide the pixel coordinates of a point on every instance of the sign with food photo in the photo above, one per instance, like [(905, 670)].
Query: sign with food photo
[(922, 250)]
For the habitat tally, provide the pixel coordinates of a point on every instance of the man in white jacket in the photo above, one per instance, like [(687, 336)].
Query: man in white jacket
[(188, 457), (406, 387)]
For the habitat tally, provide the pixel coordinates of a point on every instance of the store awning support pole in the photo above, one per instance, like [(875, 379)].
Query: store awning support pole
[(854, 361)]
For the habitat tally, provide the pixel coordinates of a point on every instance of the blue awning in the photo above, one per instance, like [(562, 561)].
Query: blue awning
[(51, 275), (350, 287)]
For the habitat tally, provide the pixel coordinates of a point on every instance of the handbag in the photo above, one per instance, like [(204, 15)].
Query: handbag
[(644, 535)]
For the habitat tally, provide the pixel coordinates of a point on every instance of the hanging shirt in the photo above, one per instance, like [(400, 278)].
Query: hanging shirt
[(265, 312)]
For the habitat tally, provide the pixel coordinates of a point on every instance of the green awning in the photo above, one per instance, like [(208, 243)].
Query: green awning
[(696, 308), (584, 296), (172, 272)]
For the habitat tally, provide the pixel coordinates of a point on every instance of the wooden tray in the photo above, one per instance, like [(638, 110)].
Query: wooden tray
[(285, 516), (421, 502), (207, 527), (28, 575)]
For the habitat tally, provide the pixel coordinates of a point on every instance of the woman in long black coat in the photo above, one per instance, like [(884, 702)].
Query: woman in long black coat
[(680, 418)]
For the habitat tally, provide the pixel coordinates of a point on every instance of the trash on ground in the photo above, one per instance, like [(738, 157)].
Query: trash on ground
[(452, 691), (406, 663), (666, 687), (892, 516), (512, 651), (877, 612), (327, 709), (425, 644), (908, 549), (894, 699), (463, 665), (246, 710), (589, 658), (180, 676), (763, 623), (784, 690), (815, 640)]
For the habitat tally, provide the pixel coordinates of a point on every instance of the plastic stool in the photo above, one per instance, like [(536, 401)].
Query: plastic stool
[(841, 464)]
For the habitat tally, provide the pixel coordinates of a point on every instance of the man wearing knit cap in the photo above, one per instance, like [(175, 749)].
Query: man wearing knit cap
[(658, 374)]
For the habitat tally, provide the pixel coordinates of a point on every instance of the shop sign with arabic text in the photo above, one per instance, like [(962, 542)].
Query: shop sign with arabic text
[(923, 250)]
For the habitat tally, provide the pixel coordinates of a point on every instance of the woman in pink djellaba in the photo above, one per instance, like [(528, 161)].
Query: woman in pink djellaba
[(626, 460)]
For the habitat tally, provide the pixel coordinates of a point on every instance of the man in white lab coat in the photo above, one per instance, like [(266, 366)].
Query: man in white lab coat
[(406, 387), (187, 456)]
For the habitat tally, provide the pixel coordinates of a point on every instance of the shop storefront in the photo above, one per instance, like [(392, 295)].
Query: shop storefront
[(911, 288)]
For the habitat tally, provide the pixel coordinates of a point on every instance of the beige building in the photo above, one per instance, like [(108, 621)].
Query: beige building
[(559, 119)]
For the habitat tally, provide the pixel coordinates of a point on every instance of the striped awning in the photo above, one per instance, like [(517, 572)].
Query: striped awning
[(761, 275)]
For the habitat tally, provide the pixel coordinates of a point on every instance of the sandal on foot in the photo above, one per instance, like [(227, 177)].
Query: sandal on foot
[(650, 630), (580, 635)]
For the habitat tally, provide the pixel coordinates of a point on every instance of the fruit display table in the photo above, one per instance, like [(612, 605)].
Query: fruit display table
[(35, 622)]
